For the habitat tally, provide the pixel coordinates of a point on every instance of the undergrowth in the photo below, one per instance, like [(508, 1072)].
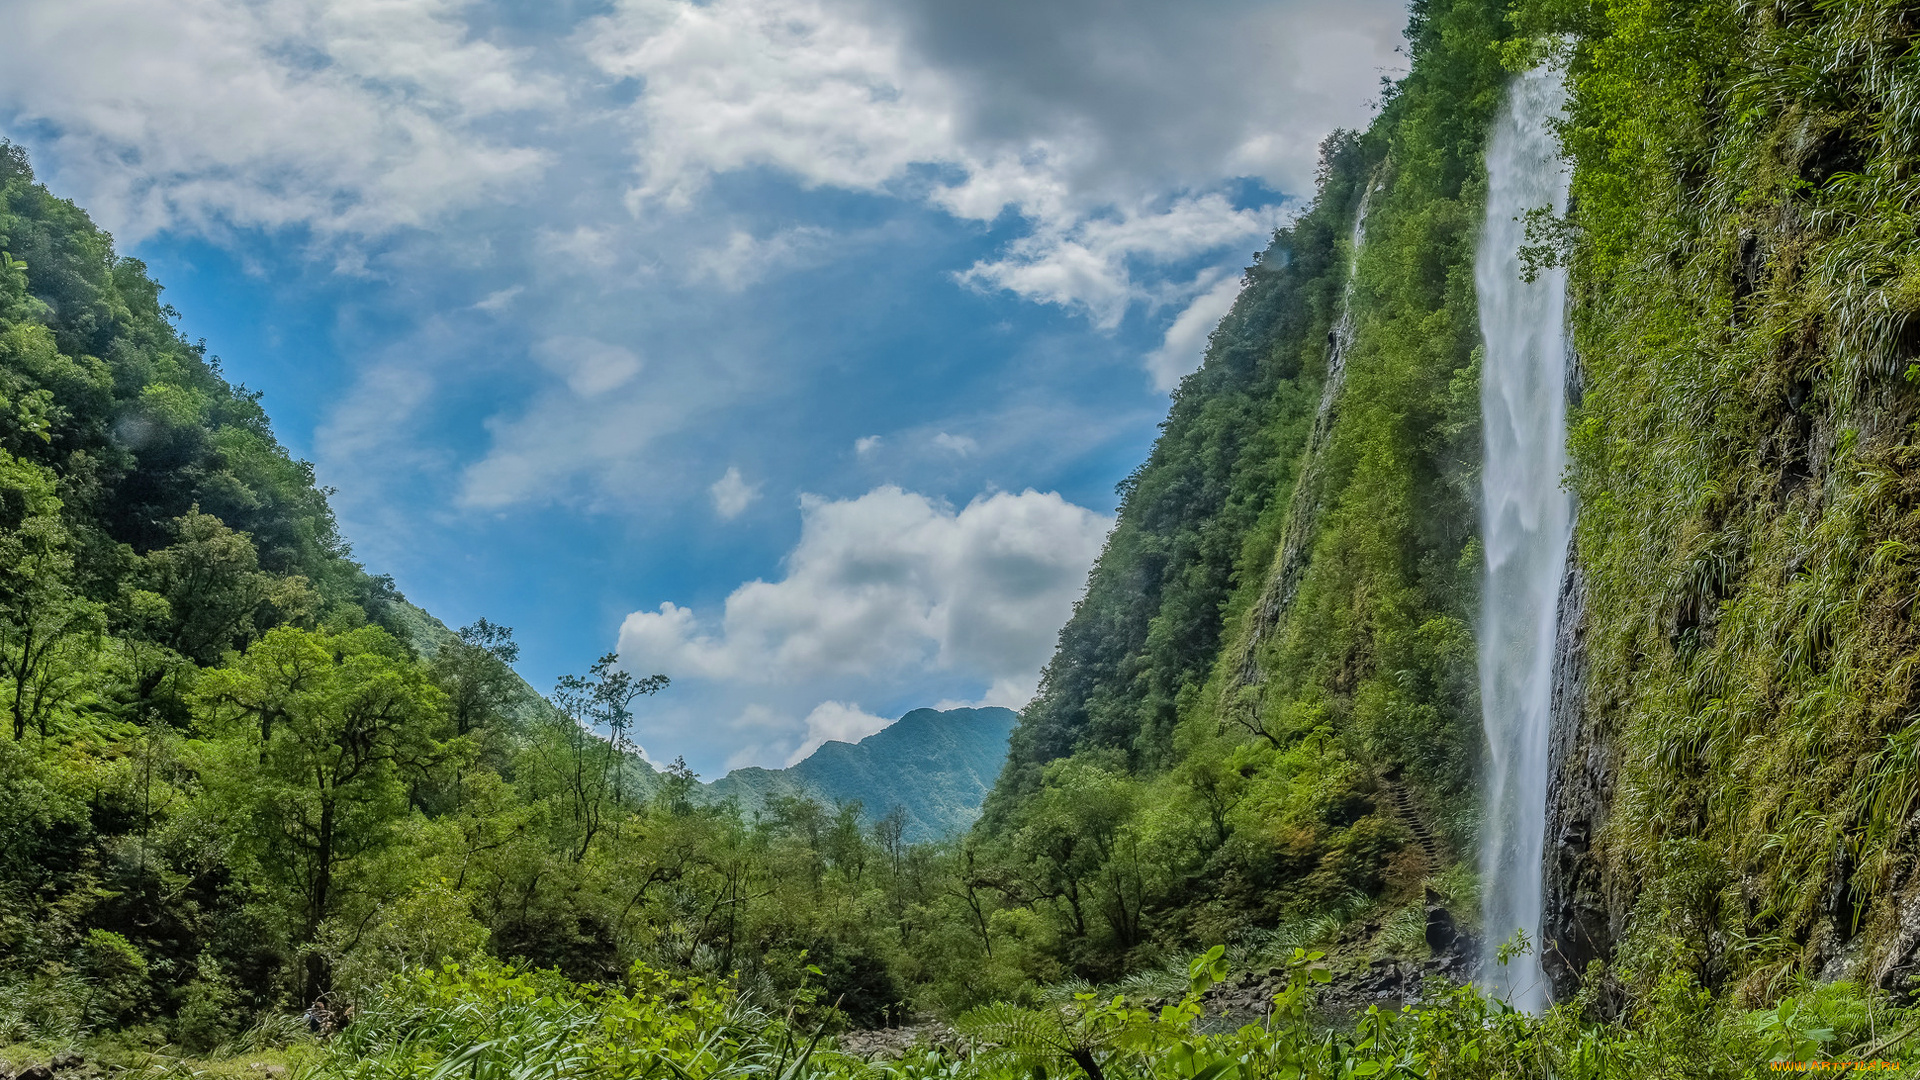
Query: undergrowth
[(491, 1020)]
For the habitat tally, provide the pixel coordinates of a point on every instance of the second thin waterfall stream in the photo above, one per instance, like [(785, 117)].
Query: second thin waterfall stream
[(1527, 519)]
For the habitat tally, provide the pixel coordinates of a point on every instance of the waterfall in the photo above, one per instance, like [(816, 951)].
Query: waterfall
[(1290, 562), (1342, 334), (1527, 519)]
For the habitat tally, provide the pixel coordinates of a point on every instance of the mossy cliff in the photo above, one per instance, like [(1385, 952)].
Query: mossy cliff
[(1275, 655), (1746, 272)]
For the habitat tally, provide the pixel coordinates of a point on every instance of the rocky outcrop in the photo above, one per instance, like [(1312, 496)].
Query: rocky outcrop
[(67, 1065), (1578, 924), (892, 1044)]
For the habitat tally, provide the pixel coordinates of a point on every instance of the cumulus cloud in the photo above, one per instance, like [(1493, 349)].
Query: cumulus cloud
[(881, 589), (732, 495), (889, 580), (1090, 264), (1133, 93), (792, 84), (1185, 342), (1103, 125), (835, 721), (345, 117), (866, 445), (955, 444)]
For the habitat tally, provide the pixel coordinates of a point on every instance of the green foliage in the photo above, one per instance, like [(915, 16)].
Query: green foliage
[(208, 1015), (1274, 651), (486, 1020), (117, 976), (1741, 254), (491, 1020)]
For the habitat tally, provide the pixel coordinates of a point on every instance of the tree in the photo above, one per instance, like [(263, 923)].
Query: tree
[(595, 771), (890, 833), (336, 720), (208, 593), (47, 629), (476, 673), (1075, 846)]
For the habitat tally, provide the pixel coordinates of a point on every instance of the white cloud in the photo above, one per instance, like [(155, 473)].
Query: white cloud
[(840, 93), (359, 116), (1185, 343), (498, 300), (955, 444), (836, 721), (732, 495), (1091, 263), (883, 589), (866, 445), (791, 84), (745, 259), (589, 368)]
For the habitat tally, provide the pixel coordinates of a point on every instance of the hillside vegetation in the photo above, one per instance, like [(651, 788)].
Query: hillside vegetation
[(1277, 641), (240, 772)]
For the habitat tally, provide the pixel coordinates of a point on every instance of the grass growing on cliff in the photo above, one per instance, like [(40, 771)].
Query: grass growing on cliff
[(1749, 483)]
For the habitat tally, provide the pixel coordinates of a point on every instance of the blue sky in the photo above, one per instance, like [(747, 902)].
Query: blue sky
[(792, 347)]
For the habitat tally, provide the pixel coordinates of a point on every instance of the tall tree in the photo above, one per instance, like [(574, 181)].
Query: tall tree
[(47, 629), (476, 672), (331, 724)]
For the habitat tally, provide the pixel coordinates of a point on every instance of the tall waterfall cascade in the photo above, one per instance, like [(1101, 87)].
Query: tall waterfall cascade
[(1527, 519)]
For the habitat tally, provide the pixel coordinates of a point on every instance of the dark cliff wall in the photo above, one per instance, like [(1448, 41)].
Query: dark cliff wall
[(1578, 925), (1736, 794)]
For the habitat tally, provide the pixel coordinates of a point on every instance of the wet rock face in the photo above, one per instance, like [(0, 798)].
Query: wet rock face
[(1898, 968), (1578, 922), (1442, 933), (64, 1066)]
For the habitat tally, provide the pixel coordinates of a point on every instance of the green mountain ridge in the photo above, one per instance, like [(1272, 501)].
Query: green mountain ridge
[(936, 766)]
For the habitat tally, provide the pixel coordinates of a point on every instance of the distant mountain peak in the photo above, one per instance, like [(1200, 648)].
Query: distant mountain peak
[(935, 764)]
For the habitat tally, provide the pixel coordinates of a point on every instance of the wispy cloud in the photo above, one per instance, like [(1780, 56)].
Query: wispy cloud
[(1185, 341), (732, 495)]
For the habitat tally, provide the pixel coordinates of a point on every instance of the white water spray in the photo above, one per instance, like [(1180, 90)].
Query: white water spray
[(1527, 519)]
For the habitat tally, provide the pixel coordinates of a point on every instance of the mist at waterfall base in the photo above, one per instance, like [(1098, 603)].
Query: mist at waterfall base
[(1527, 520)]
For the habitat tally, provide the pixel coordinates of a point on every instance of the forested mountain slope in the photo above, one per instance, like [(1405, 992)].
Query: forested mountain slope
[(1271, 676), (1269, 691), (238, 772), (924, 775)]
